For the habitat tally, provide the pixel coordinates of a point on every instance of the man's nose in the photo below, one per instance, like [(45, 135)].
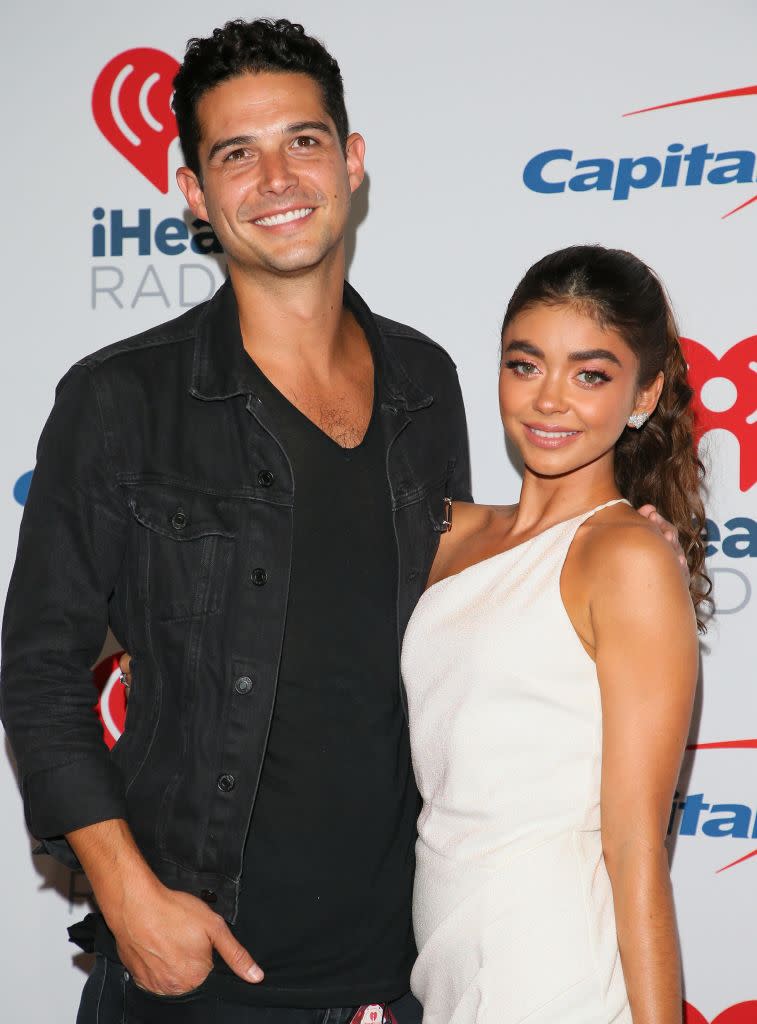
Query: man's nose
[(277, 174)]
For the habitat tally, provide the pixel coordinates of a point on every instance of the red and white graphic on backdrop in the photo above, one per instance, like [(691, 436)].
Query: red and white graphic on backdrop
[(131, 103), (725, 397), (111, 704), (741, 1013)]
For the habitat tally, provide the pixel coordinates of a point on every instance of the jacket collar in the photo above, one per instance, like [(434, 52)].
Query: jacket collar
[(221, 368)]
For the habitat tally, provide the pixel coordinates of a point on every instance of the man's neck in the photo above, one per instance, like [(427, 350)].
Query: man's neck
[(295, 320)]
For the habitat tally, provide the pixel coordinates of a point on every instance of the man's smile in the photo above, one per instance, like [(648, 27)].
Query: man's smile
[(273, 220)]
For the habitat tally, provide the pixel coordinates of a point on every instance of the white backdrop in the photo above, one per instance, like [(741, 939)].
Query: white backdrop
[(455, 101)]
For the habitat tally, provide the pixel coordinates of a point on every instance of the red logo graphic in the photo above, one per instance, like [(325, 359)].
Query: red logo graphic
[(726, 397), (373, 1013), (131, 103), (741, 1013), (747, 90), (111, 704)]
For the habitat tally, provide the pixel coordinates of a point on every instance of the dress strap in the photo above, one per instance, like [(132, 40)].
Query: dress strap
[(570, 527), (577, 521), (607, 504)]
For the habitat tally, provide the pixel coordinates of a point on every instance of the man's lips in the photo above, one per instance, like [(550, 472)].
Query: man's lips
[(279, 217), (544, 436)]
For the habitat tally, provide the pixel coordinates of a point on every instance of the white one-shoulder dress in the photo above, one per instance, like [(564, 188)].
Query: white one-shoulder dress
[(512, 906)]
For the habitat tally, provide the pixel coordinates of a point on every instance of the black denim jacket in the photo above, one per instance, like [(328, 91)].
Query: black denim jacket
[(162, 504)]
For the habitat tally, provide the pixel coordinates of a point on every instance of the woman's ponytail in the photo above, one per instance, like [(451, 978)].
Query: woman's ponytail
[(658, 464)]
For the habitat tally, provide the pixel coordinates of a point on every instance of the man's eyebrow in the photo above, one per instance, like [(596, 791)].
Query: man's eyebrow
[(308, 126), (291, 129), (236, 140), (574, 357)]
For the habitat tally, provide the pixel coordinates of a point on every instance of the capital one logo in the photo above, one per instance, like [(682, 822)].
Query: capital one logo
[(559, 170), (744, 160), (694, 816), (725, 397), (131, 104)]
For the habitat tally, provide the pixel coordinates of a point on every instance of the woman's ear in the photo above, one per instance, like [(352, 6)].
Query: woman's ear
[(648, 397)]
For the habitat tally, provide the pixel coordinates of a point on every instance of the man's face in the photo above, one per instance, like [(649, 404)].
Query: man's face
[(276, 182)]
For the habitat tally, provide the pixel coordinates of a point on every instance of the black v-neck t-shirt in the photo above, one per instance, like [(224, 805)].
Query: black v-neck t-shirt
[(325, 902)]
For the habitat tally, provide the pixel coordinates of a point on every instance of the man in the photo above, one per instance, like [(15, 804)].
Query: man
[(252, 496)]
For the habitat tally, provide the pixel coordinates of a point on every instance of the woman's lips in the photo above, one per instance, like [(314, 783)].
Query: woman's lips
[(545, 437)]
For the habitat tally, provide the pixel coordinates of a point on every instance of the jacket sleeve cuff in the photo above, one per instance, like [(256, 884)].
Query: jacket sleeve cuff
[(62, 799), (60, 850)]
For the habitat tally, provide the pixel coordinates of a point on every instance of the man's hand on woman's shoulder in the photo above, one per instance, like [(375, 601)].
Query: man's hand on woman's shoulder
[(668, 531)]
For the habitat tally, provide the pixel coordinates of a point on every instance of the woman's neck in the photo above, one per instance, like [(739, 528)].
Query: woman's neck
[(547, 500)]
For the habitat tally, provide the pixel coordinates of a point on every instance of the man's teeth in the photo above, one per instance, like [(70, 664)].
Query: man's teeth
[(284, 218), (553, 433)]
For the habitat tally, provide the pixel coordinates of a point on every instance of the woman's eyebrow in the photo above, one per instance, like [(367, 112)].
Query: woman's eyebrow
[(575, 357), (524, 346), (594, 353)]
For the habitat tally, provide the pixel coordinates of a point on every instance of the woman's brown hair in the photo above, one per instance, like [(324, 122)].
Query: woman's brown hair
[(657, 463)]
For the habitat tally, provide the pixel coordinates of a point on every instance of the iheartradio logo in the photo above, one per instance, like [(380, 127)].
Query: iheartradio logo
[(131, 104), (725, 397), (111, 703), (741, 1013)]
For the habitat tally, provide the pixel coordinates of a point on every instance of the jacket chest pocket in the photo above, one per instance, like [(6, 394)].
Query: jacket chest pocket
[(186, 540)]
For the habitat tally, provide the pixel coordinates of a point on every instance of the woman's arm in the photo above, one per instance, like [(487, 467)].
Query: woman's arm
[(647, 660)]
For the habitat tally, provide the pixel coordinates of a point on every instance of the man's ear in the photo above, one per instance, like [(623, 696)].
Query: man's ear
[(355, 155), (190, 185)]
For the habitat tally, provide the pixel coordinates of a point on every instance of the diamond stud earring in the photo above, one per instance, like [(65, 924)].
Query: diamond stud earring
[(638, 419)]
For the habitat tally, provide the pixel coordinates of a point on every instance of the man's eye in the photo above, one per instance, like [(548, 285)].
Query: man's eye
[(235, 154), (304, 142), (522, 367), (593, 377)]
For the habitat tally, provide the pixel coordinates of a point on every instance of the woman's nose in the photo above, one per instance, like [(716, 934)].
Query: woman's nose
[(551, 396)]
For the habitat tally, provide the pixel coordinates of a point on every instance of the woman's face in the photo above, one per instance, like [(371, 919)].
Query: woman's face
[(567, 388)]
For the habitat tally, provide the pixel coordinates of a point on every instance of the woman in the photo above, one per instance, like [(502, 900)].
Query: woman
[(550, 668)]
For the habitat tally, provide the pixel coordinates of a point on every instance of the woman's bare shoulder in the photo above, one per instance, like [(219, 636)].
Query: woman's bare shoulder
[(469, 517), (623, 549), (471, 527)]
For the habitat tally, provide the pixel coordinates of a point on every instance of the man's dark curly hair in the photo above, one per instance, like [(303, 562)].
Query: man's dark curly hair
[(249, 46)]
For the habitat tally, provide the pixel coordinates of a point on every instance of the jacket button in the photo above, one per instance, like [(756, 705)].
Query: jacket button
[(209, 895), (243, 684), (226, 782), (265, 478), (179, 519), (259, 577)]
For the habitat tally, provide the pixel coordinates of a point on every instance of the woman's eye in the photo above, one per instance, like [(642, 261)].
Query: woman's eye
[(593, 377), (522, 367)]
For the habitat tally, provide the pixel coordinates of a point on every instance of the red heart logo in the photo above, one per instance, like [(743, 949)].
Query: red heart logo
[(741, 1013), (725, 397), (131, 103)]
